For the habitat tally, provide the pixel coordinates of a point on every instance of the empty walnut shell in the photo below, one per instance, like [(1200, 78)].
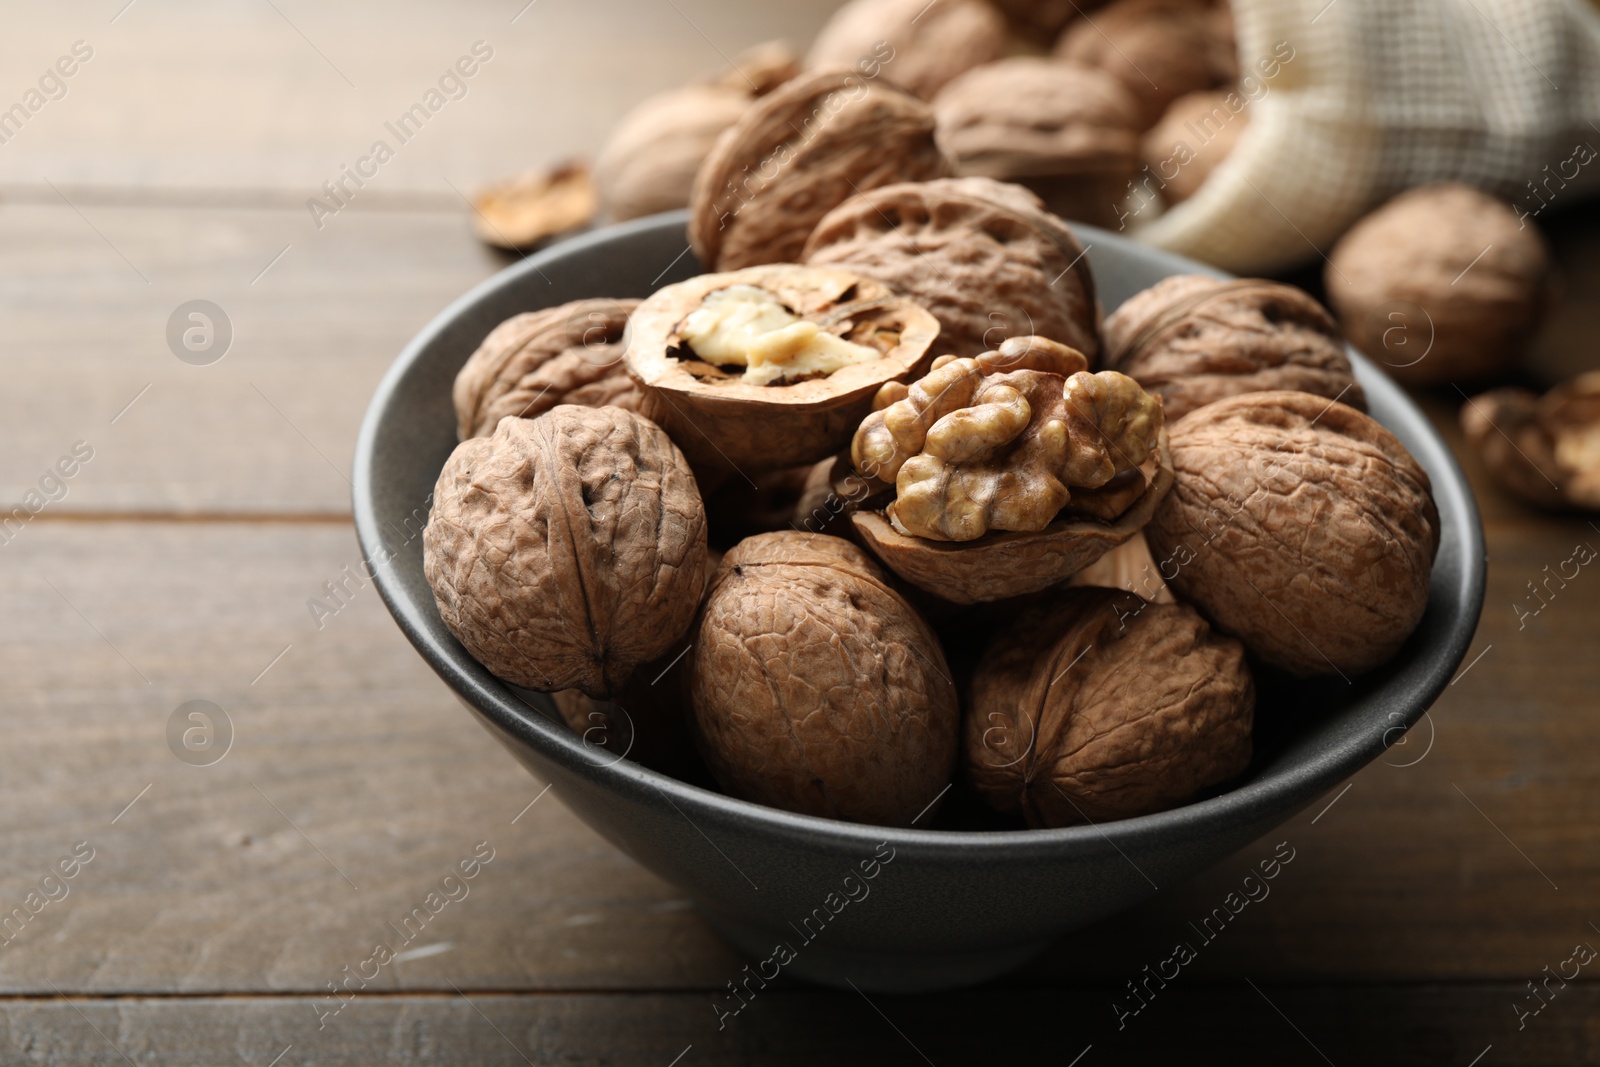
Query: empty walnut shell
[(1442, 284), (817, 689), (1300, 526), (649, 162), (570, 354), (1069, 132), (719, 419), (1099, 705), (799, 152), (1159, 49), (1545, 449), (566, 550), (1192, 139), (519, 213), (913, 43), (1192, 340), (984, 256)]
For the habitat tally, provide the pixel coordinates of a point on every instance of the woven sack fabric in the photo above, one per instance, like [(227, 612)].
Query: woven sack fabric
[(1383, 95)]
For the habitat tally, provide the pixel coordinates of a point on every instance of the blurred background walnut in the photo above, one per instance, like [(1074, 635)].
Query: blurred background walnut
[(1194, 136), (1442, 284), (1068, 132), (1545, 449), (914, 43)]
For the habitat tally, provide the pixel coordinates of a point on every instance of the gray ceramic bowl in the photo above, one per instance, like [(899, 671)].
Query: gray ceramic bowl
[(947, 908)]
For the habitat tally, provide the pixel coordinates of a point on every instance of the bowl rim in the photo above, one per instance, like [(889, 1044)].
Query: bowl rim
[(1283, 790)]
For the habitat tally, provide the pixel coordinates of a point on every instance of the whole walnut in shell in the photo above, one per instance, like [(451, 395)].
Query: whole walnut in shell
[(1069, 132), (1159, 49), (1099, 705), (1192, 139), (796, 154), (1191, 340), (984, 256), (1441, 284), (569, 354), (1302, 527), (649, 162), (913, 43), (1545, 449), (817, 689), (564, 551)]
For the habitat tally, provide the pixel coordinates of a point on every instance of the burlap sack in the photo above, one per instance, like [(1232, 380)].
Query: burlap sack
[(1383, 95)]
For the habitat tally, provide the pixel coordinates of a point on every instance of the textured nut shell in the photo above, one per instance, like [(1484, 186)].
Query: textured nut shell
[(1173, 145), (1028, 116), (983, 256), (1159, 49), (566, 550), (1546, 449), (817, 688), (1192, 340), (570, 354), (918, 45), (1322, 530), (765, 427), (760, 69), (649, 162), (1002, 565), (1418, 250), (523, 211), (1156, 709), (796, 154)]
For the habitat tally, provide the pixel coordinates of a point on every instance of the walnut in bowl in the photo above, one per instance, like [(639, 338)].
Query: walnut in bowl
[(772, 366)]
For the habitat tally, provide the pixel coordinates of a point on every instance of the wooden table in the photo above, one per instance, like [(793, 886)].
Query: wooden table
[(220, 904)]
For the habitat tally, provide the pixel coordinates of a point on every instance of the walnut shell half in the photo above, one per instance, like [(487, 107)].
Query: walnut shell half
[(1192, 340), (913, 43), (984, 256), (797, 153), (1100, 705), (1545, 449), (718, 418), (1302, 527), (817, 688), (570, 354), (566, 550)]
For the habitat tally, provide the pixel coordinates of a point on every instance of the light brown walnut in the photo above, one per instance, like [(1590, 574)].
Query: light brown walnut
[(1099, 705), (816, 687), (1545, 449), (1198, 132), (565, 551), (569, 354), (649, 162), (1302, 527), (913, 43)]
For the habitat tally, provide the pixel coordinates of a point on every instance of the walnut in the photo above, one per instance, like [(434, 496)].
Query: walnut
[(1191, 340), (519, 213), (771, 366), (1069, 132), (914, 43), (816, 688), (796, 154), (570, 354), (984, 256), (1545, 449), (566, 550), (1302, 527), (760, 69), (1159, 49), (649, 162), (1098, 705), (1441, 284), (1011, 471), (1192, 139), (1043, 20)]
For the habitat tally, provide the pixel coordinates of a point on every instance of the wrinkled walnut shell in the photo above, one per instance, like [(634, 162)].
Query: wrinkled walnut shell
[(717, 419), (1192, 340), (1002, 565), (913, 43), (570, 354), (649, 162), (983, 256), (1300, 526), (1545, 449), (566, 550), (816, 687), (1159, 49), (1441, 284), (1098, 705), (797, 153)]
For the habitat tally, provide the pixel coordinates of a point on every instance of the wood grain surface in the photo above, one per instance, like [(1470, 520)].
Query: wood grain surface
[(221, 901)]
